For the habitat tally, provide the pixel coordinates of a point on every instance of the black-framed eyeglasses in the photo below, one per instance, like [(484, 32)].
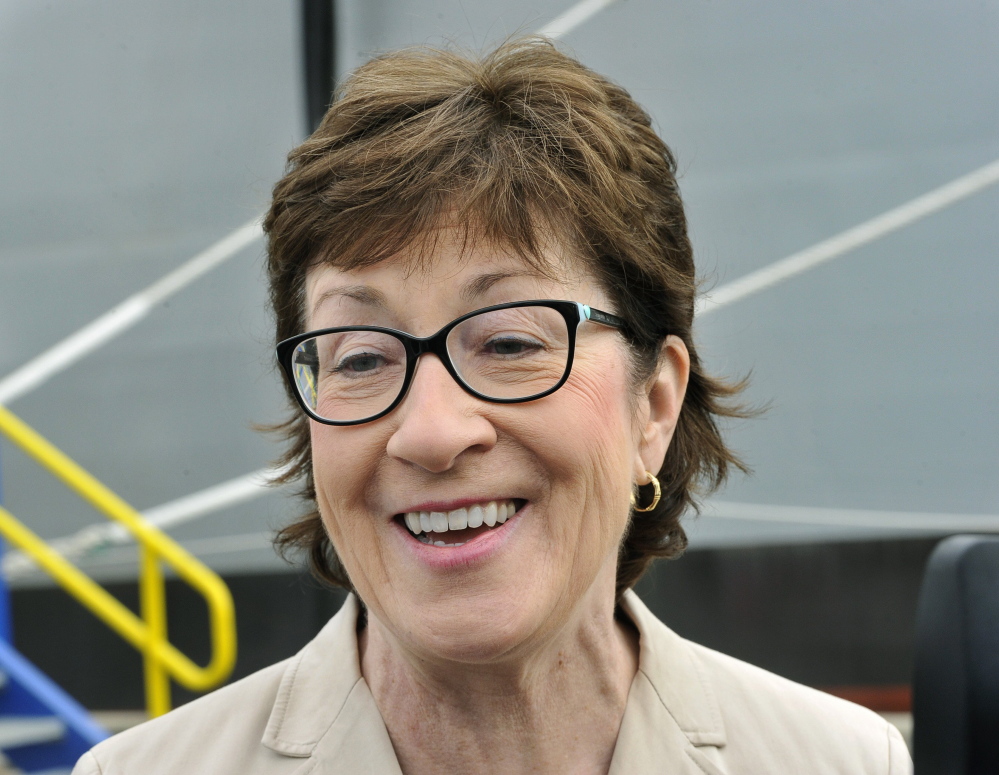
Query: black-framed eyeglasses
[(505, 354)]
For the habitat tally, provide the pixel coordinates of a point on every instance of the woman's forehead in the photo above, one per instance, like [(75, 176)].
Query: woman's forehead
[(454, 244), (469, 270), (453, 282)]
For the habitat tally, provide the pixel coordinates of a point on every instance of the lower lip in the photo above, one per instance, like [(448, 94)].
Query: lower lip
[(472, 552)]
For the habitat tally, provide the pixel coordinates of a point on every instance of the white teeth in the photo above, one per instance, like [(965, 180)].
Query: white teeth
[(428, 540), (490, 514), (457, 519), (475, 515)]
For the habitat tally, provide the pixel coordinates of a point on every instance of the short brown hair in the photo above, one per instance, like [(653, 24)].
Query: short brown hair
[(516, 145)]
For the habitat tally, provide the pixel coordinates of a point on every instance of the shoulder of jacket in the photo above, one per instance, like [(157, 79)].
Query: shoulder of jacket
[(807, 722), (198, 725), (735, 678)]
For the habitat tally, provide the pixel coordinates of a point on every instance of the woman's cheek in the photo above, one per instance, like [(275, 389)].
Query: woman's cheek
[(598, 470), (340, 492)]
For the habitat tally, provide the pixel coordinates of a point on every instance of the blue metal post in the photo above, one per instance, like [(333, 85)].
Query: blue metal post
[(6, 625)]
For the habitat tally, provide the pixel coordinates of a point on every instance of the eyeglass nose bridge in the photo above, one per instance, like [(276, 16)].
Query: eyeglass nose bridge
[(435, 344)]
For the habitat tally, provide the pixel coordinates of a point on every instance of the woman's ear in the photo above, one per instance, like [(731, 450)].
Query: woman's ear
[(662, 398)]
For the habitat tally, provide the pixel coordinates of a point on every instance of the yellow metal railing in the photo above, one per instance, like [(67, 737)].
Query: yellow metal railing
[(148, 634)]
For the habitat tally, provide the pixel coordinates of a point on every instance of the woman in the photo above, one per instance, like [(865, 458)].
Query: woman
[(484, 294)]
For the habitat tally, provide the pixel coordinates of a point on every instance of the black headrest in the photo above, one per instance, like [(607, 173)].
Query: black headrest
[(955, 701)]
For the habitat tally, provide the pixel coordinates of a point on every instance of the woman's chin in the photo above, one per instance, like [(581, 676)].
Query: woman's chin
[(489, 626), (488, 600)]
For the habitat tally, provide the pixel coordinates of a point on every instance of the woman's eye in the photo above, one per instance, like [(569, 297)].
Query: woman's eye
[(512, 346), (359, 363)]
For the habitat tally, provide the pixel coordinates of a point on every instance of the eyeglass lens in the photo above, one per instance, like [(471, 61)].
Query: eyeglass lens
[(511, 353)]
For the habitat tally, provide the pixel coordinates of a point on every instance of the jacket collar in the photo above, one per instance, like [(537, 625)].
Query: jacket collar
[(325, 710), (677, 676), (672, 720)]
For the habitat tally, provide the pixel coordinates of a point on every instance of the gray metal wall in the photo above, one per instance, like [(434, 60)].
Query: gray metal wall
[(133, 134)]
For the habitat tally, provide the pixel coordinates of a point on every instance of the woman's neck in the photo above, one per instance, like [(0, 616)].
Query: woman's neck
[(557, 710)]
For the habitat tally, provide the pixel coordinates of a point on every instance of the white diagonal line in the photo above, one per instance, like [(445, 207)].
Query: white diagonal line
[(225, 495), (123, 316), (199, 547), (917, 521), (168, 515), (579, 13), (842, 243)]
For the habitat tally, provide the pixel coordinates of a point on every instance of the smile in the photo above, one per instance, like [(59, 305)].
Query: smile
[(464, 524)]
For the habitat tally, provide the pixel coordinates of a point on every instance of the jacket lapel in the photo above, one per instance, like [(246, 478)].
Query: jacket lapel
[(324, 712), (357, 742), (672, 722)]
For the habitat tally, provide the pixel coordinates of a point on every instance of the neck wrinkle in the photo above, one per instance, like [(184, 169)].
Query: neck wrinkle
[(564, 696)]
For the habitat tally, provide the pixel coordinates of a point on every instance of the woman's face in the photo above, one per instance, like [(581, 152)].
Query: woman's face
[(566, 462)]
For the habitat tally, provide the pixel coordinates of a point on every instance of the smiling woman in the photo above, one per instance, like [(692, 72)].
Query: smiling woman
[(484, 294)]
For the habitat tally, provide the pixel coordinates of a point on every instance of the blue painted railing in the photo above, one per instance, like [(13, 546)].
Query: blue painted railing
[(31, 693)]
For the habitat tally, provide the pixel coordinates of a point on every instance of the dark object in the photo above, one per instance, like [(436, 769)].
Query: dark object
[(956, 685), (319, 50)]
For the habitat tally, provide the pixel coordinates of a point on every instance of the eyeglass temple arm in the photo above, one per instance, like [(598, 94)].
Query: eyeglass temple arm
[(597, 316)]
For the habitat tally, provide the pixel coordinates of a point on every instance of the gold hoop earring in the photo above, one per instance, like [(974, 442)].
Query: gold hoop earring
[(657, 493)]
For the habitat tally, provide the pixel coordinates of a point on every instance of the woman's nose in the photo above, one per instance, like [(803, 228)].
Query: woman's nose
[(437, 420)]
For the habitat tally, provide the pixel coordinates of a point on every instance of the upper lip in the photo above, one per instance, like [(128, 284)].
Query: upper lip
[(451, 505)]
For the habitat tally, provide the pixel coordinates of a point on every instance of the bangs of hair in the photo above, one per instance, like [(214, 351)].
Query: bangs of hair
[(425, 140)]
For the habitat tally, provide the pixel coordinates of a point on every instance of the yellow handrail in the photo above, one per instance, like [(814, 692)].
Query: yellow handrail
[(149, 633)]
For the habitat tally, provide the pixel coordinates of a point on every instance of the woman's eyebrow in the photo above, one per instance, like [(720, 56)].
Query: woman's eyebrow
[(364, 294), (479, 285)]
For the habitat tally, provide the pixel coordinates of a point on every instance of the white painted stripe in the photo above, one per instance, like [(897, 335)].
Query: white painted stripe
[(906, 521), (205, 261), (221, 496), (99, 537), (575, 16), (125, 315), (842, 243), (16, 731), (244, 542), (126, 555), (72, 348)]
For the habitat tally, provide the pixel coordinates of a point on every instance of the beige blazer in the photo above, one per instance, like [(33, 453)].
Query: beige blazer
[(691, 711)]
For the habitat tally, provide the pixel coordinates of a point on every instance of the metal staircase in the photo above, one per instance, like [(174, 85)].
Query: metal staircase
[(42, 729)]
